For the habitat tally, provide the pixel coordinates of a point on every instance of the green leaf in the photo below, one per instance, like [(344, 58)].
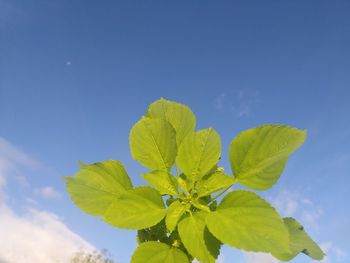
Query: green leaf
[(156, 252), (178, 115), (259, 155), (246, 221), (157, 232), (153, 143), (199, 153), (163, 181), (81, 164), (175, 211), (198, 241), (97, 185), (150, 193), (300, 241), (201, 205), (214, 183), (184, 182), (139, 208)]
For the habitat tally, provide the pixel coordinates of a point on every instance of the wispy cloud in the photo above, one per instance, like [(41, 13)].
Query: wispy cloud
[(15, 155), (220, 259), (2, 175), (12, 162), (251, 257), (240, 102), (220, 101), (288, 204), (333, 253), (47, 192), (295, 205), (35, 235)]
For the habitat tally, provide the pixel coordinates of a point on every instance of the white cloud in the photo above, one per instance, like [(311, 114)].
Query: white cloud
[(240, 102), (310, 218), (251, 257), (219, 101), (35, 235), (2, 179), (11, 161), (287, 203), (292, 204), (11, 153), (220, 259), (4, 167), (47, 192), (326, 247), (340, 254), (333, 253)]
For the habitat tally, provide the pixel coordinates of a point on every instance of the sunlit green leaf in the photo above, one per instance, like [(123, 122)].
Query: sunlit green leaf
[(246, 221), (175, 211), (214, 183), (200, 205), (199, 153), (178, 115), (153, 143), (259, 155), (139, 208), (199, 242), (156, 252), (184, 182), (163, 181), (97, 185), (300, 242)]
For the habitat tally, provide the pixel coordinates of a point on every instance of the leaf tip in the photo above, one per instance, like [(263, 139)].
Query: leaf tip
[(305, 132), (65, 178), (81, 164)]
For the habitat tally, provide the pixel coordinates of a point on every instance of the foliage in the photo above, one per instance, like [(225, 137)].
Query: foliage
[(91, 257), (177, 217)]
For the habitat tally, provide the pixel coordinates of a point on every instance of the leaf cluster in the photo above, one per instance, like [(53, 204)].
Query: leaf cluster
[(177, 217)]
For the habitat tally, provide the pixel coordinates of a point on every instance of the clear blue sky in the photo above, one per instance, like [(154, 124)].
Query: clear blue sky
[(76, 75)]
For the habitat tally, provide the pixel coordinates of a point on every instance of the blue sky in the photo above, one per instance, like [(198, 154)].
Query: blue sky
[(76, 75)]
